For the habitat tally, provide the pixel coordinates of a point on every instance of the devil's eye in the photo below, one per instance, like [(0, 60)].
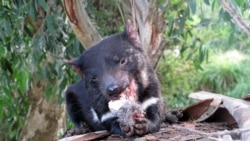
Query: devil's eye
[(123, 61)]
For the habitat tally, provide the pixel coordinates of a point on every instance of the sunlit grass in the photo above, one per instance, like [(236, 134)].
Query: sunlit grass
[(225, 73)]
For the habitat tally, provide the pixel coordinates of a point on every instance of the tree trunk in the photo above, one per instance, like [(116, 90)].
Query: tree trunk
[(44, 118)]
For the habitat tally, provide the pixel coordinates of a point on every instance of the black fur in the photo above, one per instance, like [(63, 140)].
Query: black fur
[(107, 69), (79, 107)]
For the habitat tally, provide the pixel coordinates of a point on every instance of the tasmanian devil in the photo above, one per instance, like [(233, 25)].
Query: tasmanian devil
[(115, 70)]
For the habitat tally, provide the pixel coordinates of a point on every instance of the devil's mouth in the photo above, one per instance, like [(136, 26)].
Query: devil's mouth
[(129, 94)]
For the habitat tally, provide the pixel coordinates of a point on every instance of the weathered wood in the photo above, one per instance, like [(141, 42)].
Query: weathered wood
[(238, 108), (81, 23), (196, 110), (45, 117), (202, 95)]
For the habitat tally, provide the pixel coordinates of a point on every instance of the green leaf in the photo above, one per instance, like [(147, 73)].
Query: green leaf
[(2, 35), (48, 92), (207, 2), (190, 55), (22, 81), (197, 65), (207, 54), (205, 22), (171, 25), (31, 13), (2, 51), (50, 24), (183, 48), (43, 4), (193, 43), (192, 5), (8, 28), (181, 25), (231, 38), (202, 53), (214, 4), (60, 100)]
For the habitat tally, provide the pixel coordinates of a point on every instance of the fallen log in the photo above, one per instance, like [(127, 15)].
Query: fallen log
[(238, 108)]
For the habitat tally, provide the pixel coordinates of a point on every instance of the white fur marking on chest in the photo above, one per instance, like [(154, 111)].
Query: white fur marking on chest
[(95, 117), (149, 102), (107, 116)]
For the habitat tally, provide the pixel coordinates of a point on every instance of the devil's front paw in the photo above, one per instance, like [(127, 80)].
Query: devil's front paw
[(174, 116), (127, 129), (141, 126)]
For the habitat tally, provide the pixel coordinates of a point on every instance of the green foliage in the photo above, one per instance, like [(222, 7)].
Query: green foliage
[(178, 78), (241, 88), (181, 33), (198, 30), (223, 72), (227, 73), (32, 48)]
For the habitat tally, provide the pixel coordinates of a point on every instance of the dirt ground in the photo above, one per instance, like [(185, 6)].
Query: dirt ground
[(178, 132)]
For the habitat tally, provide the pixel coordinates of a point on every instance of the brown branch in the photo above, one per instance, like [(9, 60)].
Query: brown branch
[(81, 23), (235, 16)]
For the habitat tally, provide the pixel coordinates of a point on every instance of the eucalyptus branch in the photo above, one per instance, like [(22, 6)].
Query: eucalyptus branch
[(236, 18)]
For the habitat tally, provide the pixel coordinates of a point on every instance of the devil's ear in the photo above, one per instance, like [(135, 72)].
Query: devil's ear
[(75, 65), (132, 33)]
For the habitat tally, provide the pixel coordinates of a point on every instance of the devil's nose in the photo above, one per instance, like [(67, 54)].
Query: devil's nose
[(114, 89)]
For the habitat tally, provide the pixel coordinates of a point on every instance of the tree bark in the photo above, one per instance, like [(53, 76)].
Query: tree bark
[(81, 23), (44, 118), (151, 25)]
